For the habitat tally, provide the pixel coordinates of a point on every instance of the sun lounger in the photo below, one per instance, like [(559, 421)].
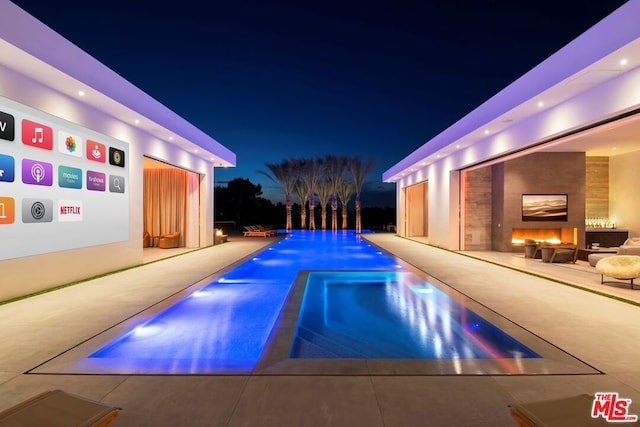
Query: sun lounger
[(270, 231), (566, 412), (257, 230), (57, 408)]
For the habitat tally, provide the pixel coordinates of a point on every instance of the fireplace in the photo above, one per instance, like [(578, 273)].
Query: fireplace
[(546, 235)]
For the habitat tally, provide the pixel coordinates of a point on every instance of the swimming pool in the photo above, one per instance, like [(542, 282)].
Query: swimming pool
[(392, 315), (225, 325), (243, 321)]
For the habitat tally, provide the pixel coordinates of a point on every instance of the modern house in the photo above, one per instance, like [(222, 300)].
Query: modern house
[(87, 161), (565, 136)]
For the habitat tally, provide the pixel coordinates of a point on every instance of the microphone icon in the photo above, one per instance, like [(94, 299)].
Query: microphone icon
[(37, 172)]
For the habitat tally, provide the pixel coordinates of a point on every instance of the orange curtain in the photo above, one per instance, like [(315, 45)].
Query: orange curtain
[(165, 196)]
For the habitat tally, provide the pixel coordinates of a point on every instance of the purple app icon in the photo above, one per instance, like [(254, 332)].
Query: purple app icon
[(36, 172), (96, 181)]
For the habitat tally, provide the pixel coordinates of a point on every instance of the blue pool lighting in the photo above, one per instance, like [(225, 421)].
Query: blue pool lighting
[(351, 300), (392, 315), (226, 324)]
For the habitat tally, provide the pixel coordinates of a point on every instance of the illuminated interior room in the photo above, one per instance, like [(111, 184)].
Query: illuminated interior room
[(568, 127)]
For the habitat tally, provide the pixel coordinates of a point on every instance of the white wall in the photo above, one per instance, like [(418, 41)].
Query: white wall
[(30, 274), (624, 203), (607, 100), (442, 194)]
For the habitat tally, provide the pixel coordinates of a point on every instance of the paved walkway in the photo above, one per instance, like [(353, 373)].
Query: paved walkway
[(600, 331)]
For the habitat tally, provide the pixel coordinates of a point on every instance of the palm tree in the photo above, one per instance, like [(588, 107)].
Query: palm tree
[(301, 192), (334, 170), (283, 174), (359, 169), (345, 190), (310, 175), (324, 192)]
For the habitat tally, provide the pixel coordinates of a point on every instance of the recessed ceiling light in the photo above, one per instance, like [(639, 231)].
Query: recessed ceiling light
[(438, 156), (614, 149), (540, 104), (170, 138), (423, 163), (81, 92), (486, 131), (195, 150), (623, 61), (457, 145), (137, 121)]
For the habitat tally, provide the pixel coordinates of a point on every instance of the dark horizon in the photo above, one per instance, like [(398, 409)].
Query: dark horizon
[(271, 82)]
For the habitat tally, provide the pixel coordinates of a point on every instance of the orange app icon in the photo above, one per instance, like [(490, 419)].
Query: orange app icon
[(7, 210)]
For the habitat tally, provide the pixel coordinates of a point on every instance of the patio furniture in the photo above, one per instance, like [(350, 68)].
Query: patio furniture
[(219, 236), (559, 253), (630, 247), (596, 256), (171, 240), (620, 267), (257, 230), (531, 249), (565, 412), (57, 408)]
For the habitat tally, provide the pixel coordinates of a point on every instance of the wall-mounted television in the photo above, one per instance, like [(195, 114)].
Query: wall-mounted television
[(62, 186), (544, 207)]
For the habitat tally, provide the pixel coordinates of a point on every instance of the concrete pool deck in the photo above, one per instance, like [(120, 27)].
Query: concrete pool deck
[(600, 331)]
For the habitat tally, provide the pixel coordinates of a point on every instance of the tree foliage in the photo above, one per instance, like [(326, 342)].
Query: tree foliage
[(333, 179), (240, 201)]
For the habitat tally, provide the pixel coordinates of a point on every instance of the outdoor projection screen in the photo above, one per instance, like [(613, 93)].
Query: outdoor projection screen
[(62, 186)]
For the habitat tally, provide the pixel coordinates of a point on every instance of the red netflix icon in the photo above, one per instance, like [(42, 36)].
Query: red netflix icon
[(37, 135)]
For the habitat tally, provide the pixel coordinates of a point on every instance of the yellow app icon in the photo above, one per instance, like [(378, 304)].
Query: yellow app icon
[(7, 210)]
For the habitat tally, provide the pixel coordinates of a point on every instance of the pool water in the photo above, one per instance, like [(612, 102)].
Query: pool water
[(226, 324), (392, 315), (361, 309)]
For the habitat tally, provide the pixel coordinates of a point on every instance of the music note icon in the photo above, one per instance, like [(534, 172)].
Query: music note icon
[(38, 135)]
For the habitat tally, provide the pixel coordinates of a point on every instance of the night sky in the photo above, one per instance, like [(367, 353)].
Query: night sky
[(278, 79)]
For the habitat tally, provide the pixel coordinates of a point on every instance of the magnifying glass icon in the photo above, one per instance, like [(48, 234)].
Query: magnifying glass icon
[(116, 183)]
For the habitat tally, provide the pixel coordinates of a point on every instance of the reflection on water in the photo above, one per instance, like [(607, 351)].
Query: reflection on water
[(227, 323), (392, 315)]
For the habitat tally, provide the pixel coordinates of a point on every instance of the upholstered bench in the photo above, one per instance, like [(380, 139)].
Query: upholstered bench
[(621, 267), (594, 258)]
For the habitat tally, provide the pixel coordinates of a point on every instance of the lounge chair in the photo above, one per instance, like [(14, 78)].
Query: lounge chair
[(569, 412), (559, 253), (255, 230), (270, 231), (171, 240), (59, 408), (532, 249)]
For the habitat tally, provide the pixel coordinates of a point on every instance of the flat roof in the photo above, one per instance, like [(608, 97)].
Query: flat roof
[(33, 49), (590, 60)]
